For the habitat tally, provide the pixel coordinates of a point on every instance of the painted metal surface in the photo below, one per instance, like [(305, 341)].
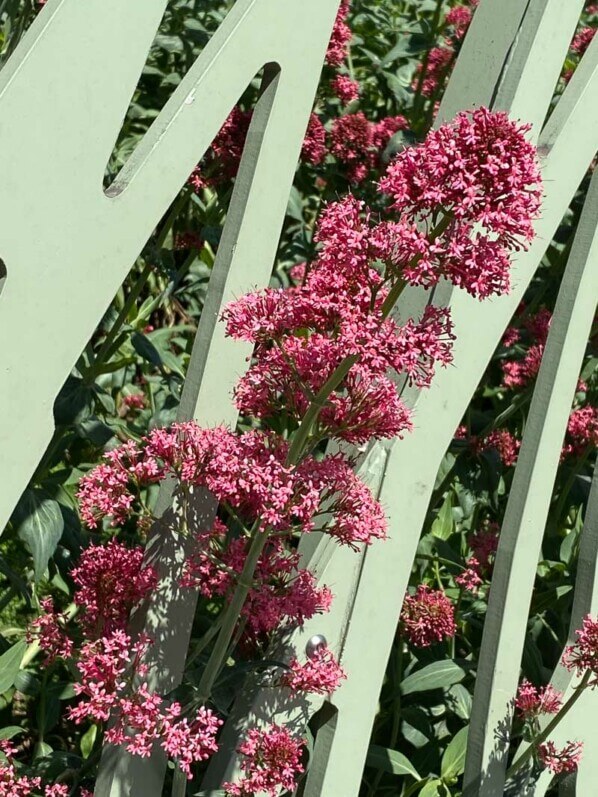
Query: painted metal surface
[(511, 60)]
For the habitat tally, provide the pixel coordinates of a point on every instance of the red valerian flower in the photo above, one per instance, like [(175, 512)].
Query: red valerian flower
[(271, 762), (283, 594), (49, 631), (345, 89), (476, 183), (531, 701), (582, 431), (314, 145), (560, 760), (427, 617), (111, 580), (582, 655), (440, 60), (320, 675), (341, 36)]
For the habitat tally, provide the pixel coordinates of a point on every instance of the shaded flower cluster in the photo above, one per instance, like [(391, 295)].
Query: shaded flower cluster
[(140, 718), (270, 761), (110, 580), (582, 655), (283, 594), (321, 674), (560, 760), (427, 617), (304, 333), (531, 701), (519, 372)]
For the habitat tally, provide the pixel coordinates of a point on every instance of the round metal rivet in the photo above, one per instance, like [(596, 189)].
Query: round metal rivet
[(315, 644)]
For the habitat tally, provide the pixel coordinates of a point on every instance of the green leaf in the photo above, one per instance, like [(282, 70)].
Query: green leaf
[(146, 349), (444, 525), (10, 731), (390, 761), (10, 664), (41, 750), (39, 524), (74, 402), (27, 683), (453, 760), (460, 701), (435, 788), (295, 205), (437, 675), (88, 740)]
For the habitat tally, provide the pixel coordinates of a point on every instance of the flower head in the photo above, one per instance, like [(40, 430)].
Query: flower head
[(320, 674), (271, 762), (345, 89), (583, 654), (314, 145), (559, 761), (427, 617), (111, 580), (531, 701), (481, 175)]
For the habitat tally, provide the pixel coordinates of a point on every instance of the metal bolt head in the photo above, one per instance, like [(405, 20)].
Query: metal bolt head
[(315, 644)]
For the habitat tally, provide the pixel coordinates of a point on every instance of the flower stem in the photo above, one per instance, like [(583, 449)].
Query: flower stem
[(301, 435), (231, 615), (543, 735)]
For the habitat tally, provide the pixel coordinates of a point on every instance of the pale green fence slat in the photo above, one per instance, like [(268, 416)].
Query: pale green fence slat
[(580, 723), (245, 259), (527, 510)]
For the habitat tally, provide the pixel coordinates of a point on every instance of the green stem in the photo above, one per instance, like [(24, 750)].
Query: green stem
[(301, 435), (230, 615), (106, 349), (543, 735), (179, 783)]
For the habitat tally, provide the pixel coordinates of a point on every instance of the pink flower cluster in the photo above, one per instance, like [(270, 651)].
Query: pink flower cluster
[(321, 674), (483, 543), (440, 62), (476, 183), (582, 656), (560, 760), (314, 145), (520, 372), (222, 161), (49, 631), (12, 784), (431, 75), (110, 581), (345, 88), (279, 496), (358, 143), (532, 701), (271, 762), (282, 595), (140, 718), (470, 579), (503, 442), (427, 617), (341, 36), (582, 431), (134, 401), (304, 333)]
